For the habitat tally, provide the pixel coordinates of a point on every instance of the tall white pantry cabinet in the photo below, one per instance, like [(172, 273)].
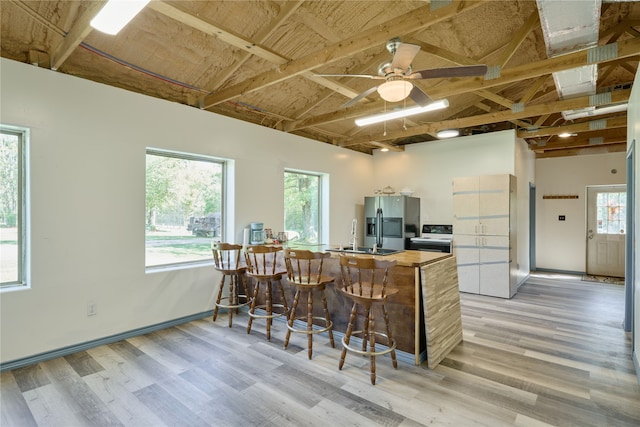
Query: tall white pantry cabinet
[(484, 234)]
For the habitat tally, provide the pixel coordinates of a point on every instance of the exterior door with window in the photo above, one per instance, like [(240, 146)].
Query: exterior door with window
[(606, 230)]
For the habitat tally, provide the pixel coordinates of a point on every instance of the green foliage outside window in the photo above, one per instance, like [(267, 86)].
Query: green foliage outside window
[(301, 206)]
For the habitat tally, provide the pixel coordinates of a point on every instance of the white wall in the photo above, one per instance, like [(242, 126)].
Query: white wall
[(87, 177), (633, 133), (561, 245), (429, 168)]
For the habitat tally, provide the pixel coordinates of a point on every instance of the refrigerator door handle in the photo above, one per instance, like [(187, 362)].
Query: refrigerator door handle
[(379, 228)]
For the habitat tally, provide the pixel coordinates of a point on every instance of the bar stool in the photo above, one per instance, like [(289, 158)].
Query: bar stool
[(262, 266), (304, 272), (365, 283), (226, 259)]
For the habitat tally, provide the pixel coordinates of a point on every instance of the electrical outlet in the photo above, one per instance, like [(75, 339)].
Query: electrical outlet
[(92, 309)]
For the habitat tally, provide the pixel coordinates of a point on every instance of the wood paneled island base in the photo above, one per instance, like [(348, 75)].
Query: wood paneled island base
[(425, 313)]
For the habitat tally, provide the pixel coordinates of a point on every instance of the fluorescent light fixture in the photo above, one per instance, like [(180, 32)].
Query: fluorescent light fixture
[(395, 90), (566, 134), (116, 14), (448, 133), (397, 114)]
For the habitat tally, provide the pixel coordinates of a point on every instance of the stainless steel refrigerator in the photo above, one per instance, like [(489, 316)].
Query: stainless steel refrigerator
[(390, 220)]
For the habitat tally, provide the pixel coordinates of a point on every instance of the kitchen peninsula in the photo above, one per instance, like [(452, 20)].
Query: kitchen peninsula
[(425, 313)]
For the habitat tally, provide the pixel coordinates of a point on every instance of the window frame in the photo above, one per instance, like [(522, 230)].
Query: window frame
[(22, 214), (321, 177), (223, 203)]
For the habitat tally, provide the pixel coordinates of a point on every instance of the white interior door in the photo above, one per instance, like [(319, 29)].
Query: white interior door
[(606, 230)]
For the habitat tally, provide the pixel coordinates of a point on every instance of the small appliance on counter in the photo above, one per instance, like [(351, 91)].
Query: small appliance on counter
[(256, 233)]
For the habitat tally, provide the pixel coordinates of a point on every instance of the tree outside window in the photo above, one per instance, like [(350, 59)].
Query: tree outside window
[(301, 206), (184, 198), (12, 206)]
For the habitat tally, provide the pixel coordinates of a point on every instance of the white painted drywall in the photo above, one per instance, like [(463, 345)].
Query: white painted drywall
[(429, 168), (561, 245), (87, 177)]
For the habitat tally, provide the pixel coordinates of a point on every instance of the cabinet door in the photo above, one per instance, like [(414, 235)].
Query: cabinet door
[(465, 205), (467, 255), (494, 195), (494, 266)]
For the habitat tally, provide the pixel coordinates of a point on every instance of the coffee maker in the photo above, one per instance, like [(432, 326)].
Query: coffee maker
[(256, 233)]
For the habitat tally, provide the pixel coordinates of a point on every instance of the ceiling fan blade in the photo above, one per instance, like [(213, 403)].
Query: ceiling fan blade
[(419, 97), (404, 55), (366, 76), (464, 71), (359, 97)]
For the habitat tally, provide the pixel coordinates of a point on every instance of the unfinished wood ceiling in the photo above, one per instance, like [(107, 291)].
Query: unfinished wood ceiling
[(260, 61)]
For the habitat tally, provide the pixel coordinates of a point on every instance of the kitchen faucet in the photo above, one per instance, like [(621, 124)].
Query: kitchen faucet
[(354, 234)]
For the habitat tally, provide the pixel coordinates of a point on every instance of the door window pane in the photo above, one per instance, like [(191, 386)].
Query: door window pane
[(183, 207), (611, 212)]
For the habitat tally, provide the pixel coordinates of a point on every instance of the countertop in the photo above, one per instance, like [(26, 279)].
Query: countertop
[(408, 258)]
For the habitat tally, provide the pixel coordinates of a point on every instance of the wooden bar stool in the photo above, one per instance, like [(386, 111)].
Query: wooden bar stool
[(226, 259), (365, 283), (262, 266), (304, 272)]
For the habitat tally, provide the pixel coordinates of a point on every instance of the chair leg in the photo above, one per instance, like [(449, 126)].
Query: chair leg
[(386, 321), (215, 309), (233, 297), (372, 345), (252, 310), (292, 317), (326, 316), (309, 323), (283, 297), (347, 336), (269, 309)]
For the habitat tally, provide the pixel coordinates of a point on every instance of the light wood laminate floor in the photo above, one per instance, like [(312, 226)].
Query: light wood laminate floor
[(555, 354)]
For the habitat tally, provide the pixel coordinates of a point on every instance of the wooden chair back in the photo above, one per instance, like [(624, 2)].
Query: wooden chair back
[(366, 277), (304, 267), (262, 261), (227, 257)]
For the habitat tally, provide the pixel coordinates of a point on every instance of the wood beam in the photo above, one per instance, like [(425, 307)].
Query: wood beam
[(287, 9), (181, 15), (419, 18), (501, 116), (518, 38), (545, 67), (80, 30), (596, 149), (576, 143), (611, 123)]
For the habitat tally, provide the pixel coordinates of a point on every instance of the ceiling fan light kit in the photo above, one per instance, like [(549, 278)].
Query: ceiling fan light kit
[(395, 90), (405, 112), (398, 73), (116, 14), (448, 133)]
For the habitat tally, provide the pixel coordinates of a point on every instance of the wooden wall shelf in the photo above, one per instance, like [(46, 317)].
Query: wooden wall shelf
[(561, 197)]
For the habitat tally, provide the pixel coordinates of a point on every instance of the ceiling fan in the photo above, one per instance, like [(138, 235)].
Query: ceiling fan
[(397, 74)]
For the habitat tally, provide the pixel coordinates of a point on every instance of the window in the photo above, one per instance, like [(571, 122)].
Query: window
[(184, 205), (13, 224), (611, 211), (302, 206)]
